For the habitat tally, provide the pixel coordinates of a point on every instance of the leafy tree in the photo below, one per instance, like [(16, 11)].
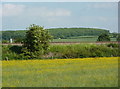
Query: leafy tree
[(103, 37), (36, 42), (114, 35), (118, 38)]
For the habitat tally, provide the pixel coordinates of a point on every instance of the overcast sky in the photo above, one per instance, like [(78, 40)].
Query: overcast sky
[(19, 15)]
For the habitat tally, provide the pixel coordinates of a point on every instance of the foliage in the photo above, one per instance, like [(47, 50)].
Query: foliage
[(114, 35), (57, 33), (5, 41), (82, 51), (36, 42), (103, 37), (113, 45), (11, 52), (19, 34), (64, 33), (118, 38), (19, 40), (64, 51)]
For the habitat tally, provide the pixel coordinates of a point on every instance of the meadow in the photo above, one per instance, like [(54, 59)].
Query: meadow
[(80, 72), (80, 39)]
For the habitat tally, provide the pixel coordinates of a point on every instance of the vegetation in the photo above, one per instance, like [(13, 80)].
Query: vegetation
[(83, 51), (112, 45), (62, 33), (65, 51), (78, 39), (11, 52), (118, 38), (18, 35), (81, 39), (65, 71), (104, 37), (85, 72), (65, 33), (36, 42), (114, 35)]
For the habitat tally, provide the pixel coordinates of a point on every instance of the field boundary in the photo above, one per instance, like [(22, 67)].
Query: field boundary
[(61, 43)]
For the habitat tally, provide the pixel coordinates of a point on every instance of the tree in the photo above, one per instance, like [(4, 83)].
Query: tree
[(36, 42), (103, 37), (114, 35), (118, 38)]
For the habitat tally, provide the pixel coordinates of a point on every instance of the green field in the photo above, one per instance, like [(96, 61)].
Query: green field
[(75, 40), (84, 72), (80, 39)]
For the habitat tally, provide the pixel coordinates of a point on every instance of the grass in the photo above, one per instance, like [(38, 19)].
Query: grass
[(75, 40), (80, 39), (84, 72)]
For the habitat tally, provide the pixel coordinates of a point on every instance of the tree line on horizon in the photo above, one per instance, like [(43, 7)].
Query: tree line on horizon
[(57, 33)]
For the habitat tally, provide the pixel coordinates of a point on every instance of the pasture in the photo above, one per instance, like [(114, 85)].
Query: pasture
[(80, 72), (80, 39)]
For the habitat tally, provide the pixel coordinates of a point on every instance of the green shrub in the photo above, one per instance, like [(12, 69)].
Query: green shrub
[(5, 41), (69, 52), (11, 52), (100, 51), (62, 51), (82, 51), (103, 37), (118, 38), (113, 45)]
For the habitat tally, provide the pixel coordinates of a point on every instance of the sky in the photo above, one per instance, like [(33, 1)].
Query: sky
[(19, 15)]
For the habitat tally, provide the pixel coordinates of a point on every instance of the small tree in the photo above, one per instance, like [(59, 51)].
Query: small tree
[(103, 37), (118, 38), (36, 42)]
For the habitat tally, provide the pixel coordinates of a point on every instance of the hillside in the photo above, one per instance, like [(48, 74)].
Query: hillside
[(72, 32), (62, 33)]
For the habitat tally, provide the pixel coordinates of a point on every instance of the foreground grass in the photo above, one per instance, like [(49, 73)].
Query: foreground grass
[(86, 72)]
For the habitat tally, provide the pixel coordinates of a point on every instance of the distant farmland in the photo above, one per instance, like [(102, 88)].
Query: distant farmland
[(80, 39), (57, 33)]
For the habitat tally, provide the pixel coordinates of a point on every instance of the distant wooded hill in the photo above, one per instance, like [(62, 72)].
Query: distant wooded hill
[(57, 33)]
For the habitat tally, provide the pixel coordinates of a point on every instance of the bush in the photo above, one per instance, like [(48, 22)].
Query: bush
[(62, 51), (100, 51), (36, 42), (75, 51), (103, 37), (83, 51), (5, 41), (11, 52), (113, 45), (19, 40), (118, 38)]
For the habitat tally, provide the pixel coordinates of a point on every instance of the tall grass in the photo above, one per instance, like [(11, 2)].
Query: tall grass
[(84, 72)]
